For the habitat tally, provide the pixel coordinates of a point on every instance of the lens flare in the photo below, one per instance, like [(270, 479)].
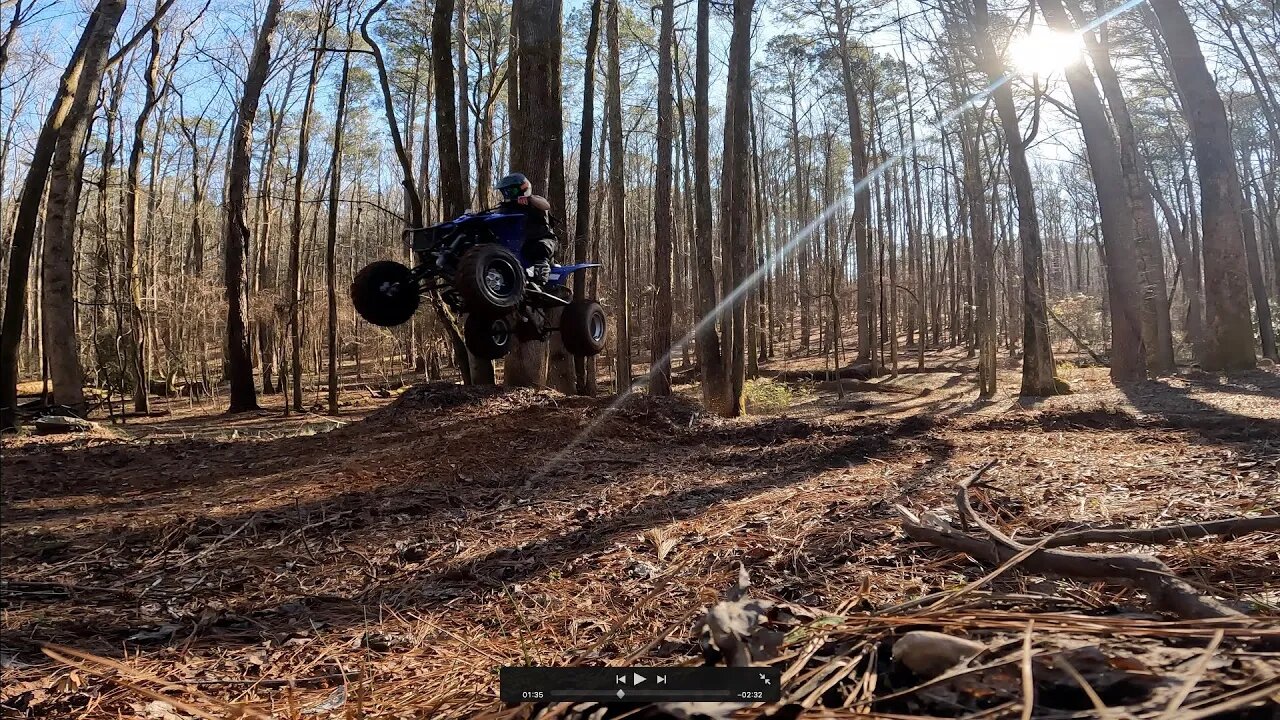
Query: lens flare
[(1044, 52)]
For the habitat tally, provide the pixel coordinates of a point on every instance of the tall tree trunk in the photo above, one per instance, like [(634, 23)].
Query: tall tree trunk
[(1157, 331), (453, 199), (1128, 351), (617, 200), (1037, 359), (240, 365), (560, 362), (663, 220), (323, 24), (1230, 330), (980, 233), (737, 179), (531, 139), (1266, 329), (464, 112), (58, 312), (715, 384), (330, 254), (582, 217), (862, 200), (136, 347)]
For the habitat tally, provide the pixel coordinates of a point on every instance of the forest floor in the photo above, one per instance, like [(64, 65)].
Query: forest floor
[(387, 562)]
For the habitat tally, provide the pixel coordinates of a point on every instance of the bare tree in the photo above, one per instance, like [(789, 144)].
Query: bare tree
[(663, 220), (1128, 351), (1037, 359), (1229, 343), (331, 246), (617, 201), (715, 383), (66, 174), (239, 363), (736, 183), (585, 367), (324, 22)]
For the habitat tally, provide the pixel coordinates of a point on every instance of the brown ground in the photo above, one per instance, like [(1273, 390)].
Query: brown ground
[(425, 544)]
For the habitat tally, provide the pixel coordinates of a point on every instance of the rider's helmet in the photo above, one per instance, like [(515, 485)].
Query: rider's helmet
[(514, 186)]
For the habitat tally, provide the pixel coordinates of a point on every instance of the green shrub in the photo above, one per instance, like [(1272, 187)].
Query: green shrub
[(765, 397)]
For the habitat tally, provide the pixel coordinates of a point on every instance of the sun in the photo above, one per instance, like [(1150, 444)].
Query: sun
[(1043, 51)]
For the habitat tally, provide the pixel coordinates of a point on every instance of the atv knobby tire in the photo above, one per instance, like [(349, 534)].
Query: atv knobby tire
[(384, 293), (583, 328), (489, 337), (490, 279)]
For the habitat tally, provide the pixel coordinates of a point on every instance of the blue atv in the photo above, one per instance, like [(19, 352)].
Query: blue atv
[(475, 263)]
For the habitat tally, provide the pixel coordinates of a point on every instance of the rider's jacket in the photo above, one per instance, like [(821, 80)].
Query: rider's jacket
[(537, 212)]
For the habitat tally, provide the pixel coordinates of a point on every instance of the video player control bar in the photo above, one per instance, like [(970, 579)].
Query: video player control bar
[(640, 684)]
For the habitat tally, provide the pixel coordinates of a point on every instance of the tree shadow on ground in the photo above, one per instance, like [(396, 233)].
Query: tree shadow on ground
[(765, 457)]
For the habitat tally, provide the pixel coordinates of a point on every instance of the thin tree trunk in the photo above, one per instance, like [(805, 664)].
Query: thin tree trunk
[(240, 365), (330, 255), (1037, 359), (323, 23), (617, 201), (663, 220), (582, 217), (862, 200), (715, 384), (137, 346)]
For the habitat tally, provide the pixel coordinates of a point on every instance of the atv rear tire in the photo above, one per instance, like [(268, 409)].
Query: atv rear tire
[(583, 328), (489, 337), (384, 293), (490, 280)]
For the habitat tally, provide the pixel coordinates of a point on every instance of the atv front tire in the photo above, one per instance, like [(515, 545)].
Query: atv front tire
[(583, 328), (490, 280), (489, 337), (384, 293)]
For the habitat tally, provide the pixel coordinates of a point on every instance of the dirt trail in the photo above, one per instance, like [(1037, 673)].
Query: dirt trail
[(422, 548)]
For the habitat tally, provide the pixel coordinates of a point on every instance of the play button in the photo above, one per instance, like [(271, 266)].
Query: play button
[(637, 678)]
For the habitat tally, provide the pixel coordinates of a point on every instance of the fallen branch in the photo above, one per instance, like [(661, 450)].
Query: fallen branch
[(1166, 590), (1080, 343), (1227, 529)]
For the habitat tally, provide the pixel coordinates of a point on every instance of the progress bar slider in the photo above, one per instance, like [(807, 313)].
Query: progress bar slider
[(639, 684)]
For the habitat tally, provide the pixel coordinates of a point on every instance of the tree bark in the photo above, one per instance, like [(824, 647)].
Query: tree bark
[(330, 254), (1266, 330), (538, 30), (617, 202), (323, 24), (1037, 358), (980, 235), (136, 346), (240, 365), (715, 384), (58, 313), (663, 219), (737, 182), (1128, 351), (1229, 341), (862, 199), (582, 217), (1157, 331)]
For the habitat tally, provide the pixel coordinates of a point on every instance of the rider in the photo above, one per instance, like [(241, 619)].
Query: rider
[(539, 238)]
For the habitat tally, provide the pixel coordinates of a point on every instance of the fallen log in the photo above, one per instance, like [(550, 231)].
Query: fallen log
[(1166, 590)]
